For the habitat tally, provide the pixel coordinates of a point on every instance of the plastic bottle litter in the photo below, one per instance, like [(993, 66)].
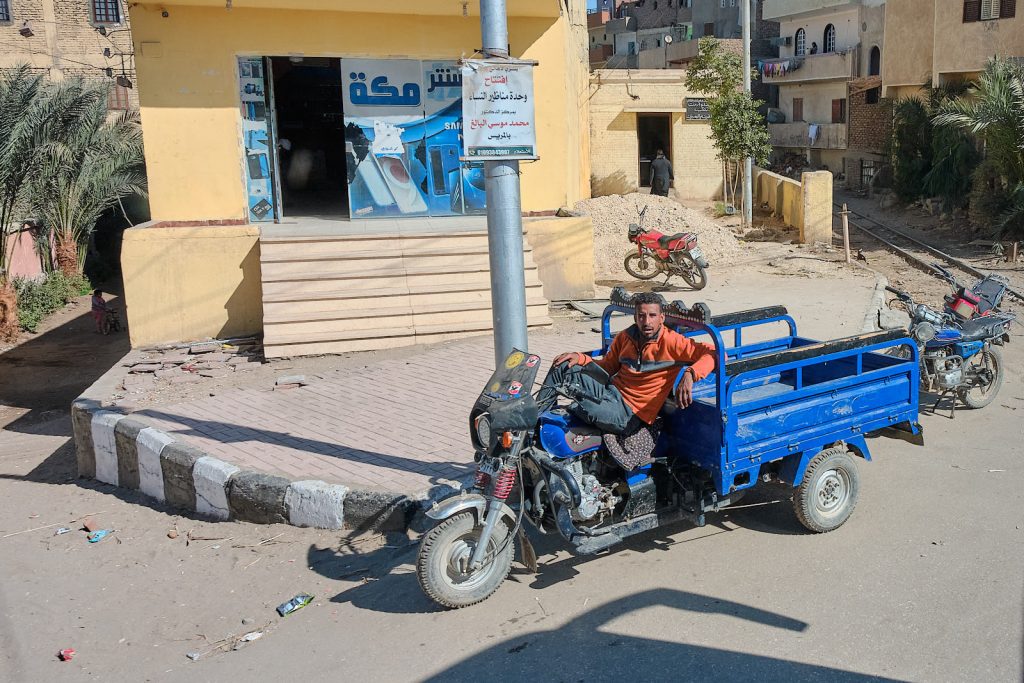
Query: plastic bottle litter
[(62, 530), (97, 536), (66, 655), (295, 604)]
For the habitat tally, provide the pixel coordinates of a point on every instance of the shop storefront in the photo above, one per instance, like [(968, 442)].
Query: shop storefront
[(355, 138), (289, 141)]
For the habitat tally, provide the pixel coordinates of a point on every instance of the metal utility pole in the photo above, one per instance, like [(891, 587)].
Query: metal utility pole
[(504, 215), (748, 163)]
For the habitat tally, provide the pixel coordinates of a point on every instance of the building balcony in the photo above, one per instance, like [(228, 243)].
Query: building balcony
[(830, 66), (776, 10), (798, 135)]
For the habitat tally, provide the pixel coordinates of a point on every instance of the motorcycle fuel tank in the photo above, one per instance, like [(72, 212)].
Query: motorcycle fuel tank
[(563, 436)]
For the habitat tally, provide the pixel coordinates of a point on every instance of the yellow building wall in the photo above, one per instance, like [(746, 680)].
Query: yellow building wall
[(183, 284), (964, 48), (188, 88), (909, 37), (614, 162), (928, 39), (563, 249)]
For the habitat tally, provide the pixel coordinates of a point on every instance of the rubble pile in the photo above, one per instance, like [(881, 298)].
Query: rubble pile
[(613, 214), (188, 364)]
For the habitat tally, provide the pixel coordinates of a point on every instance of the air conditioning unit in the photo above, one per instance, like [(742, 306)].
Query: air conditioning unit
[(782, 40)]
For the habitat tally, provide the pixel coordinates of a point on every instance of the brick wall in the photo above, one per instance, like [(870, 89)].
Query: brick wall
[(65, 42), (655, 13), (870, 124)]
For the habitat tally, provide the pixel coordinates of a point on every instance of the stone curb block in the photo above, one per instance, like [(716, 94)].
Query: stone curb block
[(126, 436), (81, 424), (211, 484), (870, 323), (258, 497), (149, 445), (177, 461), (105, 446), (316, 504)]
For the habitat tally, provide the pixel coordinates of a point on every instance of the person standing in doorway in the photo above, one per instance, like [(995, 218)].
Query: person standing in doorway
[(661, 174)]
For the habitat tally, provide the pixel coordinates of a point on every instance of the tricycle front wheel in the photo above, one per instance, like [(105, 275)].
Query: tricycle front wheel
[(826, 497), (443, 563)]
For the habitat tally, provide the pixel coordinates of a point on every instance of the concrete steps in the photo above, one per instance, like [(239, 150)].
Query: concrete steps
[(339, 294)]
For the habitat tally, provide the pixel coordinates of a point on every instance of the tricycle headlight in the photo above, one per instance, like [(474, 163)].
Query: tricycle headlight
[(924, 332), (483, 430)]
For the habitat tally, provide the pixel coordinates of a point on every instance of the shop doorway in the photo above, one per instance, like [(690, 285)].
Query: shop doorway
[(309, 131), (654, 132)]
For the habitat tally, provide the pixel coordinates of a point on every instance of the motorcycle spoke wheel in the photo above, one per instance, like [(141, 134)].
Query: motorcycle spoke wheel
[(442, 566), (642, 267), (984, 372), (691, 271)]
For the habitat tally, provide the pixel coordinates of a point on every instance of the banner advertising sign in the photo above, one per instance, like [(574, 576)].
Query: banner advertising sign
[(497, 110), (403, 130), (255, 139)]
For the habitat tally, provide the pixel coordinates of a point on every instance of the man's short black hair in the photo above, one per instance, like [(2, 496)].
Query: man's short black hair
[(649, 298)]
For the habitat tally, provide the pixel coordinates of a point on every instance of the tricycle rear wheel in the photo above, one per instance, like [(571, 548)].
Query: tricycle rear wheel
[(826, 497)]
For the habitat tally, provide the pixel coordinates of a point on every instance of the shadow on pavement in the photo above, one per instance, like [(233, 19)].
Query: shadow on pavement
[(587, 649), (46, 373), (390, 585), (225, 432)]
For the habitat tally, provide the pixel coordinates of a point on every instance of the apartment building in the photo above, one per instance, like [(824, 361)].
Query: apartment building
[(89, 38), (829, 48), (946, 40)]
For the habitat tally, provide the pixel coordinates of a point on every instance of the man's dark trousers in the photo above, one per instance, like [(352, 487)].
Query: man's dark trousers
[(596, 400)]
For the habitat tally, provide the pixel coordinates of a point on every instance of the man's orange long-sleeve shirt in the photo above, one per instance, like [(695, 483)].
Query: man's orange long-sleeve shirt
[(644, 372)]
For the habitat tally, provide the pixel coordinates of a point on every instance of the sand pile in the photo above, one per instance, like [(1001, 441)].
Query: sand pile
[(613, 214)]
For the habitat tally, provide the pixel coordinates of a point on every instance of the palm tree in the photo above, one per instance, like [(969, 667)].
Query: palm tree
[(993, 110), (86, 162), (19, 119)]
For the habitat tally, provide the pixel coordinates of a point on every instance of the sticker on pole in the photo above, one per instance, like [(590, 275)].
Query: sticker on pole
[(497, 110)]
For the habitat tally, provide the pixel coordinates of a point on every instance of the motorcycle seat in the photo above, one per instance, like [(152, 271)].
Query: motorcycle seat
[(985, 327), (665, 241)]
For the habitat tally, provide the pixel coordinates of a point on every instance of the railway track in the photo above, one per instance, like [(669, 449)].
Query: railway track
[(921, 255)]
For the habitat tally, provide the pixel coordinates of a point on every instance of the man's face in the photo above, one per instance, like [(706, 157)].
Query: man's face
[(649, 320)]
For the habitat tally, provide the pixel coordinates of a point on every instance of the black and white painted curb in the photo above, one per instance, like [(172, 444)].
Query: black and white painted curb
[(119, 449)]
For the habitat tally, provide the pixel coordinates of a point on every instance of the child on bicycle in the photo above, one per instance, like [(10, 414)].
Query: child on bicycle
[(99, 309)]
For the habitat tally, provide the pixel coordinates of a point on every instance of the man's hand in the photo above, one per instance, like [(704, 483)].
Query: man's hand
[(572, 358), (684, 392)]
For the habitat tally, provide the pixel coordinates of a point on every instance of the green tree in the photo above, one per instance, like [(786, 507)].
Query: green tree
[(738, 129), (992, 109), (84, 167), (20, 119)]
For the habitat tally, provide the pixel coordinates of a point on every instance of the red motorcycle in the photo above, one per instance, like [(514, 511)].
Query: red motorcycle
[(655, 253)]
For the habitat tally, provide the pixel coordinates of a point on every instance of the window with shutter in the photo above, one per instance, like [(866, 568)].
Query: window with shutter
[(989, 9), (839, 111), (1007, 9), (972, 10), (798, 109)]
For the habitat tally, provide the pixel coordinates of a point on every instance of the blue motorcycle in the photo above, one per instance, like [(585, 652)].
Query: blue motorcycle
[(958, 356)]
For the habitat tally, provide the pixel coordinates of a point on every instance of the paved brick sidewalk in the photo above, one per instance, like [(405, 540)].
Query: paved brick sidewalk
[(395, 425)]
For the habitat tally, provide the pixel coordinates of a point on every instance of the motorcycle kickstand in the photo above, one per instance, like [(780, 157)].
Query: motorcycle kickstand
[(952, 410)]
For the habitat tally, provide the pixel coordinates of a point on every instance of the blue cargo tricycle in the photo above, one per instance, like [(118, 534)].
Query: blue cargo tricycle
[(786, 409)]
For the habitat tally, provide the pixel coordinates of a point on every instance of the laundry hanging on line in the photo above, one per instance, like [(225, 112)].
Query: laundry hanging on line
[(780, 67)]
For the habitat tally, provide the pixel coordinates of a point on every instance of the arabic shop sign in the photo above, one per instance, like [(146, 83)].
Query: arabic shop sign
[(697, 109), (497, 110)]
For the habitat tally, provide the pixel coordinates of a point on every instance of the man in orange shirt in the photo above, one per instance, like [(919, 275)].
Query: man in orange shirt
[(639, 370)]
